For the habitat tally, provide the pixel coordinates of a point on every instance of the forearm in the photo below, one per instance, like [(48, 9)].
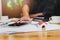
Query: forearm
[(25, 10), (36, 14)]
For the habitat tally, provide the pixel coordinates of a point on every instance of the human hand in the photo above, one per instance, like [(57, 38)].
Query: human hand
[(25, 18)]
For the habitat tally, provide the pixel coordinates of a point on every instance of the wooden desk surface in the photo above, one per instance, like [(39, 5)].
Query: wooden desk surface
[(46, 35)]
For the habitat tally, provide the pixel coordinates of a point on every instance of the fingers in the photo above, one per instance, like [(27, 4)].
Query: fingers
[(16, 20), (28, 20)]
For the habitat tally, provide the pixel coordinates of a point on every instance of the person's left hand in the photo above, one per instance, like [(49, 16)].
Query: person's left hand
[(24, 18)]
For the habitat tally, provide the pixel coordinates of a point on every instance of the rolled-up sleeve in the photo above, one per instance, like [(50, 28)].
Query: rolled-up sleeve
[(49, 7)]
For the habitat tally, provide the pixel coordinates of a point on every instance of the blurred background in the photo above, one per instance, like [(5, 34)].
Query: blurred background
[(12, 8)]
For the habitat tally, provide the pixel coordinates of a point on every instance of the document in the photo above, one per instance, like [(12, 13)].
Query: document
[(27, 28)]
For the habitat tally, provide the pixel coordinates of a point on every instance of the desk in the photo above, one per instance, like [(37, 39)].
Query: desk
[(47, 35)]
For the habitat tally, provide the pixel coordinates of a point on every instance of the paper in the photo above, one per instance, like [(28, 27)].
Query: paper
[(52, 27), (27, 28)]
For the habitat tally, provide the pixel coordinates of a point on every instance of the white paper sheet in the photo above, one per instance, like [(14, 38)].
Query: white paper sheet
[(52, 27), (27, 28)]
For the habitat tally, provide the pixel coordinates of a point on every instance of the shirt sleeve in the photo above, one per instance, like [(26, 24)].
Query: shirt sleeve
[(49, 7)]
